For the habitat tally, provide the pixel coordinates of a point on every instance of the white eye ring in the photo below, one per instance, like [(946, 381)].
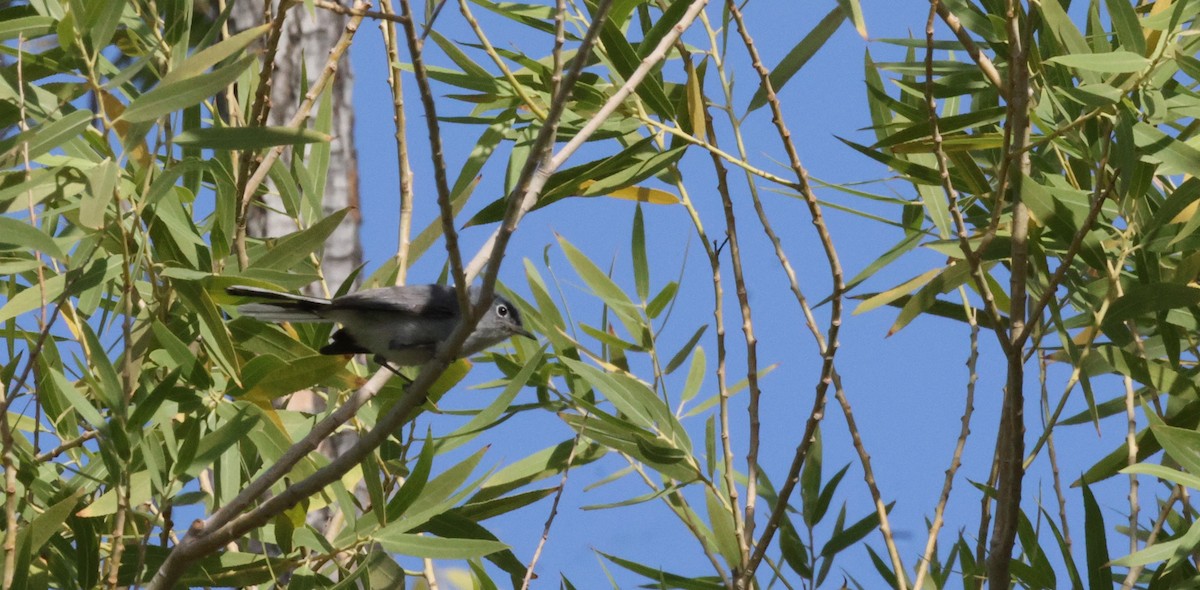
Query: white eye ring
[(502, 310)]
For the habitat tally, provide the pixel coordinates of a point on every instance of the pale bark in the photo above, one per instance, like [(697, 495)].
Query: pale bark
[(304, 47)]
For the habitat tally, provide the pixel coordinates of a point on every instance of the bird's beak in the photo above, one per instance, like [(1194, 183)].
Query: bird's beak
[(523, 332)]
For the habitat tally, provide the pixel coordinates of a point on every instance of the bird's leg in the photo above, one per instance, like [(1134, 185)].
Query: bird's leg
[(387, 365)]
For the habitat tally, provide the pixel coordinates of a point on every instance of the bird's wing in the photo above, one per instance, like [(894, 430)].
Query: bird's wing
[(427, 301), (343, 343)]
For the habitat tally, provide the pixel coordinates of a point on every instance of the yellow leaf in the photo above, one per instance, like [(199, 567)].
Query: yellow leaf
[(1152, 35), (638, 193), (695, 98), (113, 108), (1187, 213)]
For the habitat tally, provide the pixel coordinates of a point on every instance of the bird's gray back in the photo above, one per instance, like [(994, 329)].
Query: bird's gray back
[(428, 301)]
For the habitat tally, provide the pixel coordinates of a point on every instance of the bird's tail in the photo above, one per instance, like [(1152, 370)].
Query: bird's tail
[(284, 307)]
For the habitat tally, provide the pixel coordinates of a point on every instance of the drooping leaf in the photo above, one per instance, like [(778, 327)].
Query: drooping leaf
[(1141, 300), (178, 94), (247, 138), (800, 54), (1115, 62), (418, 545)]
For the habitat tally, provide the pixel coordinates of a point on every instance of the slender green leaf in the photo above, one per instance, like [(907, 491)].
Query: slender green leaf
[(666, 579), (218, 441), (292, 248), (178, 94), (604, 288), (201, 61), (487, 416), (1116, 62), (800, 54), (19, 235), (685, 350), (641, 268), (695, 376), (43, 138), (418, 545), (247, 138), (1143, 299), (1172, 155)]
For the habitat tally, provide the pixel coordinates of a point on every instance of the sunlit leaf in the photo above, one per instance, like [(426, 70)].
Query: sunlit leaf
[(247, 138), (1116, 62), (418, 545), (178, 94), (801, 53)]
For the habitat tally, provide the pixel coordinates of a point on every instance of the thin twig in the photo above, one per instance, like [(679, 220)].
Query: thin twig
[(449, 232), (27, 168), (939, 511), (722, 386), (394, 79), (972, 260), (740, 162), (66, 446), (985, 520), (830, 346), (260, 109), (558, 493), (1052, 456), (428, 574), (677, 503), (743, 526), (10, 498), (614, 102), (1102, 193), (6, 438), (517, 86), (118, 535), (299, 117), (224, 526), (1098, 315), (885, 527), (386, 15), (1177, 494)]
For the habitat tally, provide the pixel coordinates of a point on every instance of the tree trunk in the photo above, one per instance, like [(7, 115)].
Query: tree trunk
[(304, 48)]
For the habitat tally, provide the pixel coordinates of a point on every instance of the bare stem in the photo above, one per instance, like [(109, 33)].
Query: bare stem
[(538, 174), (830, 345), (939, 511), (558, 493), (1177, 494), (299, 117), (449, 232), (1052, 456), (394, 79), (1010, 439), (743, 526), (385, 15), (517, 87)]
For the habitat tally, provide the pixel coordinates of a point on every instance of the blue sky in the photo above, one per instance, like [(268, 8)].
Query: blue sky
[(907, 390)]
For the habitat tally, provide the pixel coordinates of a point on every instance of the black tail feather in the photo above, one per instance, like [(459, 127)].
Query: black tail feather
[(280, 299)]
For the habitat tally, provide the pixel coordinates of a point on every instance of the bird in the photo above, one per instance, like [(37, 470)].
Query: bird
[(402, 325)]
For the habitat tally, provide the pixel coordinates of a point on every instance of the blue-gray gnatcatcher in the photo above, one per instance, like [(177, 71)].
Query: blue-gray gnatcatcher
[(402, 325)]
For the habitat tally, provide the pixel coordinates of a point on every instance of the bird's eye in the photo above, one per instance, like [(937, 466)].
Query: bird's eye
[(502, 310)]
